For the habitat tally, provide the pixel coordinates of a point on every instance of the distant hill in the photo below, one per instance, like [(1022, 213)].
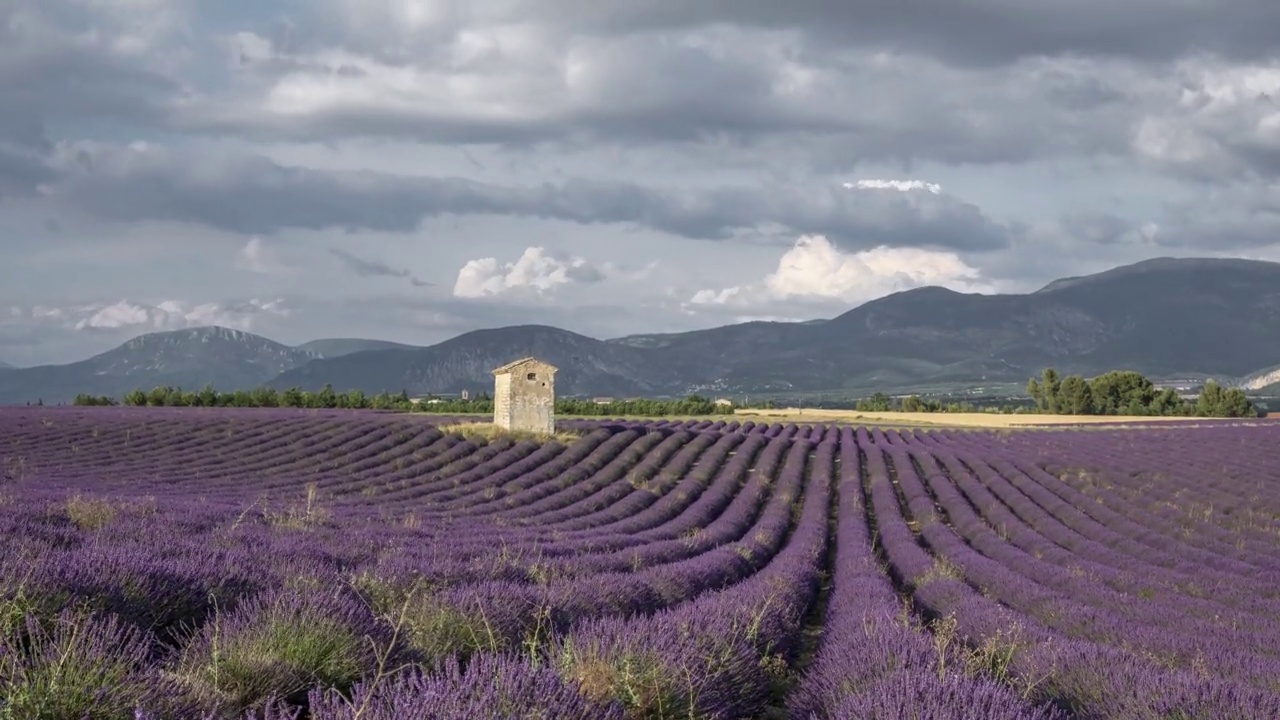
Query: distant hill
[(1163, 317), (6, 366), (188, 358), (1262, 379), (588, 366), (337, 347), (1166, 318)]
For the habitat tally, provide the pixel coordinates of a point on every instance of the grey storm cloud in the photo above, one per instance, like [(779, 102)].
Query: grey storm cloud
[(364, 267), (253, 195), (584, 273), (834, 105), (845, 107), (979, 32), (1099, 228), (55, 69), (1066, 137), (57, 63), (637, 91), (21, 171)]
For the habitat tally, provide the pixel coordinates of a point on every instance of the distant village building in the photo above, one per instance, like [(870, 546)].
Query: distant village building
[(602, 400), (723, 402), (524, 396), (466, 394)]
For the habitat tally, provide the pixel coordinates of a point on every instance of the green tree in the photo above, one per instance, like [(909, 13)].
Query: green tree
[(327, 398), (1119, 391), (1168, 403), (1216, 401), (1037, 396), (355, 400), (265, 397), (1211, 400), (292, 398), (208, 397), (1235, 404), (89, 400), (1074, 397), (158, 397), (876, 403), (1050, 387)]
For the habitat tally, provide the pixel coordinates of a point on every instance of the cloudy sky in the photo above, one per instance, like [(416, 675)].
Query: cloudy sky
[(413, 169)]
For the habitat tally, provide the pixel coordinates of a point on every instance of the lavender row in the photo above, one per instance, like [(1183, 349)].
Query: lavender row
[(1078, 604), (874, 662), (1018, 520), (705, 659), (1090, 679)]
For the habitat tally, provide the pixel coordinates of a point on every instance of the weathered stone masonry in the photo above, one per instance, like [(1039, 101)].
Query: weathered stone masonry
[(524, 396)]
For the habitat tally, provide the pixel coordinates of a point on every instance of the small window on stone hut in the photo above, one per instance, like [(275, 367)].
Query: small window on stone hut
[(531, 376)]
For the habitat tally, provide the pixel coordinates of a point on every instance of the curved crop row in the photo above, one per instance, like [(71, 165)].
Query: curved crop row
[(272, 564)]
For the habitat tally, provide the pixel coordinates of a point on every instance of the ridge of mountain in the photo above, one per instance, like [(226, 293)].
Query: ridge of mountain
[(1260, 379), (189, 358), (337, 347), (1165, 317), (1158, 265), (587, 365)]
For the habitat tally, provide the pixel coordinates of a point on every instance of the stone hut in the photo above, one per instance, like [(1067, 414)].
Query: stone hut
[(524, 396)]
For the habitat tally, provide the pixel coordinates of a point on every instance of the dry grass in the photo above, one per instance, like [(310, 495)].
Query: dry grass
[(303, 517), (971, 420), (90, 514), (488, 432)]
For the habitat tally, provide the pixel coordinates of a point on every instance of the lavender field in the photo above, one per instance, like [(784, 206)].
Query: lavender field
[(188, 563)]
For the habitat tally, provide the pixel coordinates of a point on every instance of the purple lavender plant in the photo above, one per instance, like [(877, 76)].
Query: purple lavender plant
[(490, 687), (280, 645), (86, 667)]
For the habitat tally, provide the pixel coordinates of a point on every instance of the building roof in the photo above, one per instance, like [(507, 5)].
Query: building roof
[(504, 369)]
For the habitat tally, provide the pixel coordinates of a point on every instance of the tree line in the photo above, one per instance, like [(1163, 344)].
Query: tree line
[(1125, 392), (1119, 392), (328, 398), (914, 403)]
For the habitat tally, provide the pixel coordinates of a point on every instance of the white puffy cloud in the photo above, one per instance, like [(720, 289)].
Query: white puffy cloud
[(899, 185), (117, 315), (40, 312), (535, 270), (816, 270), (256, 258), (166, 315)]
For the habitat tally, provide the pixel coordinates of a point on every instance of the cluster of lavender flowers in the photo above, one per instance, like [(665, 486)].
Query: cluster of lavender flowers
[(1101, 649), (874, 661), (190, 563)]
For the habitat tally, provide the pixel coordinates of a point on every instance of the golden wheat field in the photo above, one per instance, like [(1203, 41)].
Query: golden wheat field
[(973, 420)]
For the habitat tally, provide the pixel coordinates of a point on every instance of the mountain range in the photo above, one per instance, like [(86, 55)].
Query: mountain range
[(337, 347), (1167, 318)]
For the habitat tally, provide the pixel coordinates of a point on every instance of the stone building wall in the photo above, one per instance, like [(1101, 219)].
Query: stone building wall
[(524, 397), (502, 400)]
